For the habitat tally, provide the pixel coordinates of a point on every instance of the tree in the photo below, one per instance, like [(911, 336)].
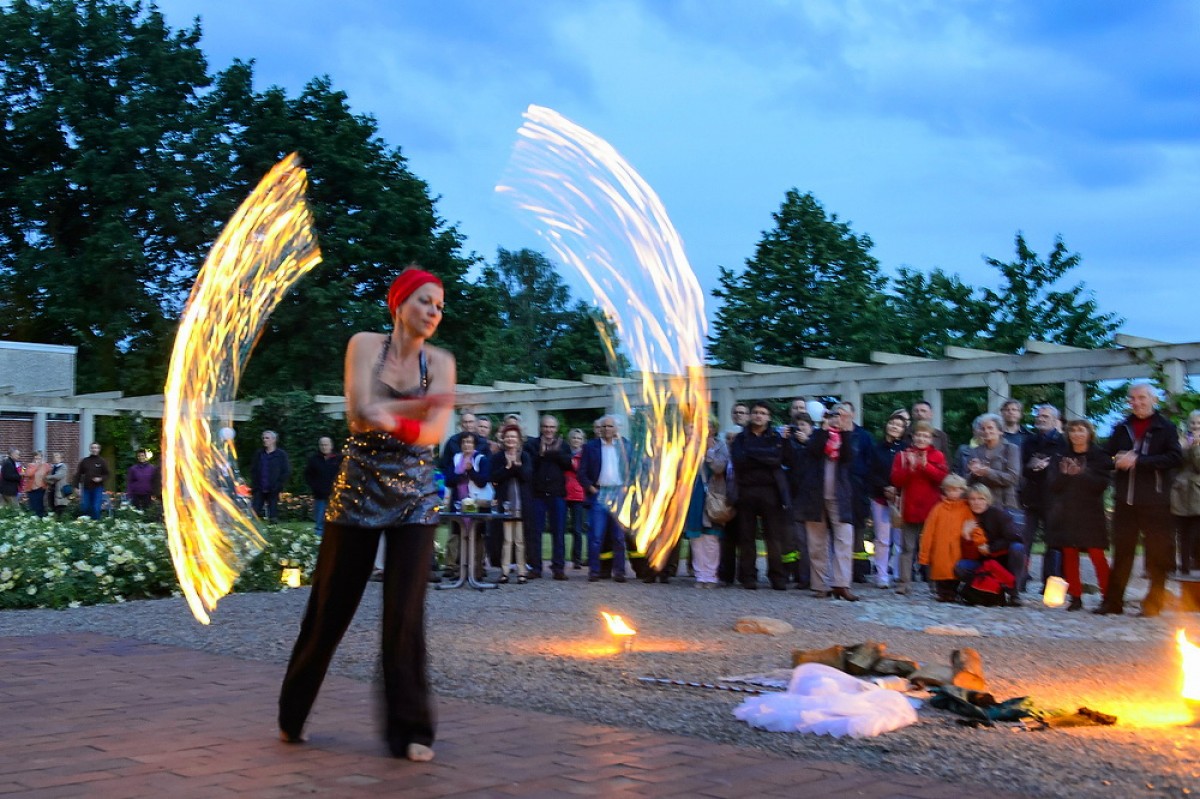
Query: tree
[(811, 289), (540, 333), (373, 217), (1026, 306), (926, 313), (99, 106), (123, 158)]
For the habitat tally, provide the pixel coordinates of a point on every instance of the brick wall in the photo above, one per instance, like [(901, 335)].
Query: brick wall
[(62, 436), (16, 432)]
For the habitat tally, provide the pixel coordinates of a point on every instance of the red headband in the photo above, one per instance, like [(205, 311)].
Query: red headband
[(405, 284)]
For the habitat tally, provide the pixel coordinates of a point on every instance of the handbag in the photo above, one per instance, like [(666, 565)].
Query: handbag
[(717, 508)]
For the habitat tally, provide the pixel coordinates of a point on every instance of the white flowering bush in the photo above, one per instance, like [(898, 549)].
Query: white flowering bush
[(45, 563)]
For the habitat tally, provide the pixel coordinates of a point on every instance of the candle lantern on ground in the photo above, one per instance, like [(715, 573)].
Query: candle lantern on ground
[(1056, 592), (622, 633)]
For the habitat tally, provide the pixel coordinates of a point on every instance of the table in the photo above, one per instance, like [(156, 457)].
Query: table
[(469, 525)]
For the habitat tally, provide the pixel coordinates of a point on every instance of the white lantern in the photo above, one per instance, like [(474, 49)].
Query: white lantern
[(1056, 592)]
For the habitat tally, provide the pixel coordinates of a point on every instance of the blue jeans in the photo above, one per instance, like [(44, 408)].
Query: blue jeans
[(37, 501), (91, 501), (1014, 561), (599, 521), (319, 506), (556, 509)]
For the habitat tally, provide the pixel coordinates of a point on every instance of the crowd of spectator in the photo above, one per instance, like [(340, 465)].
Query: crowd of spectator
[(833, 504), (963, 519)]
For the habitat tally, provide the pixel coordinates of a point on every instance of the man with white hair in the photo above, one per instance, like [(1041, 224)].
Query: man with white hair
[(604, 472), (269, 472), (1145, 448)]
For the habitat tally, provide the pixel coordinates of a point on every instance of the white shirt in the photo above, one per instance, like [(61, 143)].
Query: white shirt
[(610, 464)]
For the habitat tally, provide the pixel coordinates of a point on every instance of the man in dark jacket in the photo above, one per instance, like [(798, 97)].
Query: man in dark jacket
[(90, 475), (1145, 448), (269, 472), (319, 473), (759, 455), (604, 474), (10, 478), (860, 480), (551, 458)]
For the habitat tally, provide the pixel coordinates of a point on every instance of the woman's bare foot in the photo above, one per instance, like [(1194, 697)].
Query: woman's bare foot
[(418, 753), (288, 738)]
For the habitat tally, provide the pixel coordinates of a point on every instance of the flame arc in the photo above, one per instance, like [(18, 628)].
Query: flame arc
[(600, 217), (263, 250)]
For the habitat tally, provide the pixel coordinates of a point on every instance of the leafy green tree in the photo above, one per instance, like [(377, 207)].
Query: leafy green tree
[(812, 289), (1027, 306), (99, 108), (540, 332), (123, 159), (927, 312), (373, 217)]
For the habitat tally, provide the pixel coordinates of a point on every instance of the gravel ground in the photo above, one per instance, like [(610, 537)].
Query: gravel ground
[(541, 646)]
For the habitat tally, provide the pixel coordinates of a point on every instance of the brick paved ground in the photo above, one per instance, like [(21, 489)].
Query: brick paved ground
[(85, 715)]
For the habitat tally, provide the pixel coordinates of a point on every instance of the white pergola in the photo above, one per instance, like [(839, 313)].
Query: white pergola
[(1040, 364)]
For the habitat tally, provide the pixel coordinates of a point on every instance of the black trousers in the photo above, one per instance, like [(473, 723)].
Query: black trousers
[(1188, 528), (344, 564), (1153, 522), (754, 503)]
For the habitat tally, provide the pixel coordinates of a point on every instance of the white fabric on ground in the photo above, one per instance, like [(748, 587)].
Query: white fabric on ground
[(825, 701)]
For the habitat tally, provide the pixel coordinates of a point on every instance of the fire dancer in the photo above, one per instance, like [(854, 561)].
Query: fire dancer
[(399, 391)]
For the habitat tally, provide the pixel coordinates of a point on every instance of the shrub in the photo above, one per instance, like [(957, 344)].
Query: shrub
[(46, 563)]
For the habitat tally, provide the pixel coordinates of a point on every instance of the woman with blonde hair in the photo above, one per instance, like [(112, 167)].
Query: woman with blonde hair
[(399, 393)]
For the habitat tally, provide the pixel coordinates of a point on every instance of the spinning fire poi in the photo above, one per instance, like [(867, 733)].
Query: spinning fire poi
[(265, 248), (603, 219)]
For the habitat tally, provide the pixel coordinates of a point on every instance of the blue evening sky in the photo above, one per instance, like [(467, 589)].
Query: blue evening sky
[(938, 128)]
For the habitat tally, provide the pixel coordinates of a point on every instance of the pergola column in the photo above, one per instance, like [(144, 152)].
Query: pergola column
[(1076, 400), (998, 390)]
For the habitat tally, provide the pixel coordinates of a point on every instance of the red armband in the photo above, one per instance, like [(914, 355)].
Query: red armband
[(406, 430)]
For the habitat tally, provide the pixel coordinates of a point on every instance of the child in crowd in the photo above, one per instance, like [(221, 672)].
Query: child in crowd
[(946, 537), (917, 473)]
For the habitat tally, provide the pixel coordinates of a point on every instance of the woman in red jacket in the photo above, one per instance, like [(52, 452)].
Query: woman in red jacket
[(917, 473)]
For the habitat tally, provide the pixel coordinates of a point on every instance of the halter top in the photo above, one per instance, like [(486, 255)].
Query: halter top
[(384, 482)]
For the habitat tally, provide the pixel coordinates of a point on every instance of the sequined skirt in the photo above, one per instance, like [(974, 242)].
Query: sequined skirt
[(384, 483)]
